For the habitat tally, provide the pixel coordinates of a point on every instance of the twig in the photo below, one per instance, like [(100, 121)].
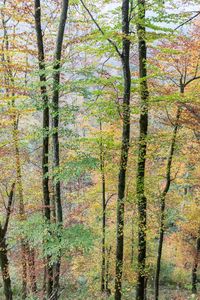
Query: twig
[(101, 30), (188, 20), (108, 199)]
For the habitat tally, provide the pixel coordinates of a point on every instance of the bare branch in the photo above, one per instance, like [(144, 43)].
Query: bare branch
[(192, 79), (169, 78), (197, 67), (101, 30), (188, 20), (108, 199), (10, 201)]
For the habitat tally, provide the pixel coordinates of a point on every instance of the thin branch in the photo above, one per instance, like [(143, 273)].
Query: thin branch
[(192, 79), (169, 78), (131, 10), (101, 30), (105, 63), (10, 201), (168, 116), (188, 20), (108, 199), (175, 176), (197, 67)]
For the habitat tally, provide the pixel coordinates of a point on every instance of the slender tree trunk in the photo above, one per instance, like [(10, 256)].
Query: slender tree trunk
[(195, 266), (45, 152), (124, 150), (5, 268), (32, 272), (132, 241), (44, 283), (162, 210), (125, 60), (21, 201), (4, 262), (10, 79), (103, 184), (55, 127), (103, 267), (107, 289), (140, 184), (163, 198)]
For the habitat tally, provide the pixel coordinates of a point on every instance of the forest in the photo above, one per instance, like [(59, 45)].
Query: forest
[(100, 149)]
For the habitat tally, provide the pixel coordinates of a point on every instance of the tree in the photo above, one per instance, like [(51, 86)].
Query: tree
[(141, 198), (124, 56), (45, 146), (3, 248), (186, 71), (55, 126)]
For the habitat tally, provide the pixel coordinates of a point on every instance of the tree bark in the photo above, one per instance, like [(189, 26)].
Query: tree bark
[(21, 200), (140, 183), (107, 289), (125, 58), (5, 268), (195, 266), (55, 127), (132, 241), (45, 146), (4, 262), (103, 184), (32, 272)]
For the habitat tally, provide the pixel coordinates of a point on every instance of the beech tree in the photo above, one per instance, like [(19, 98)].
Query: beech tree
[(99, 149)]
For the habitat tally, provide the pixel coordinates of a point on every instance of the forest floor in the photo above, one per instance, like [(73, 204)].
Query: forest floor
[(165, 294), (176, 294)]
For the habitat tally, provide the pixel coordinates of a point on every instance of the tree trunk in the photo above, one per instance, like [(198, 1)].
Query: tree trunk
[(124, 150), (140, 185), (132, 241), (55, 127), (107, 289), (44, 283), (32, 274), (45, 147), (103, 184), (21, 200), (5, 268), (162, 210), (195, 266), (163, 197), (15, 133), (4, 262)]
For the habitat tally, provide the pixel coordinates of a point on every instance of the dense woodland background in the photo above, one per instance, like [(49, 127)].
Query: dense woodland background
[(99, 149)]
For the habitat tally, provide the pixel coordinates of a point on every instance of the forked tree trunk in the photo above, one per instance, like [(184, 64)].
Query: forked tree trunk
[(143, 124), (162, 198), (5, 268), (182, 86)]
